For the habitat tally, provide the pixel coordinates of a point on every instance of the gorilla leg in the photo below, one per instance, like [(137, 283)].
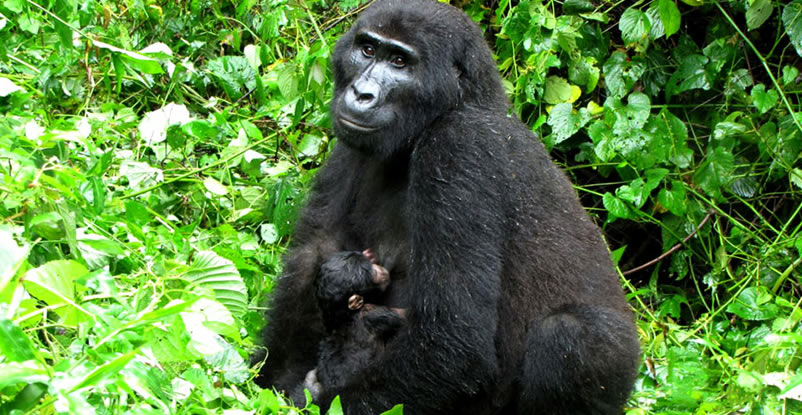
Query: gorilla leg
[(580, 359)]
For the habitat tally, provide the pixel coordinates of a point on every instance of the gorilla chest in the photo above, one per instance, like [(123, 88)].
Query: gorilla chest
[(377, 220)]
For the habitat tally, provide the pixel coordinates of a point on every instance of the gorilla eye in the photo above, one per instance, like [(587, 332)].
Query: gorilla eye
[(368, 51), (398, 61)]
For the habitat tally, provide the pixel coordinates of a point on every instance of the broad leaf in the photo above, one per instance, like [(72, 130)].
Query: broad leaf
[(763, 100), (15, 345), (757, 13), (670, 16), (53, 284), (753, 304), (634, 25), (621, 73), (218, 274), (792, 19), (715, 171), (565, 123)]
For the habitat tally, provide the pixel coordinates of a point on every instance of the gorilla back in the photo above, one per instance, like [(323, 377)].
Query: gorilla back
[(512, 302)]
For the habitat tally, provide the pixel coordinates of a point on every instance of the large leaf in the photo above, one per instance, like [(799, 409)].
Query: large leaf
[(758, 12), (792, 19), (669, 15), (621, 73), (754, 304), (564, 123), (764, 100), (14, 343), (214, 349), (21, 372), (634, 25), (11, 257), (691, 74), (214, 272), (715, 171), (52, 283)]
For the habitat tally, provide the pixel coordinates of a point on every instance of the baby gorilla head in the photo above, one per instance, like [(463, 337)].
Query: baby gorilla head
[(347, 280)]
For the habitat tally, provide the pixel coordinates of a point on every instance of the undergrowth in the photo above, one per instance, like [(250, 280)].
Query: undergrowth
[(153, 155)]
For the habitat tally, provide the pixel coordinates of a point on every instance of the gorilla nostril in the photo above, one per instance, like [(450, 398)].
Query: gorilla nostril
[(365, 98)]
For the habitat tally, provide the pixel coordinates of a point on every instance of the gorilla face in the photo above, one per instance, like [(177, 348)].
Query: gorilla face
[(387, 90), (384, 73)]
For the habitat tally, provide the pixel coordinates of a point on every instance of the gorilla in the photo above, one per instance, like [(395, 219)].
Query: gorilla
[(357, 331), (512, 302)]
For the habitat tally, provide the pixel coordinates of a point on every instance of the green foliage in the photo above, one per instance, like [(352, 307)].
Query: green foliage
[(153, 156), (696, 128)]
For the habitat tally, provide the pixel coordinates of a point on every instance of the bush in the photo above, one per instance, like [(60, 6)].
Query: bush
[(154, 154)]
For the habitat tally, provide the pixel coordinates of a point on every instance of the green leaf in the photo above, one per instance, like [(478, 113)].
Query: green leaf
[(215, 350), (726, 129), (216, 317), (336, 407), (29, 24), (14, 343), (632, 116), (288, 82), (763, 100), (584, 72), (670, 16), (621, 73), (214, 272), (22, 372), (754, 303), (7, 87), (716, 171), (796, 179), (634, 25), (136, 60), (691, 74), (657, 31), (64, 10), (558, 90), (792, 19), (234, 74), (577, 6), (616, 207), (214, 186), (565, 123), (52, 283), (140, 175), (789, 74), (12, 256), (673, 199), (757, 13), (269, 233), (15, 6), (396, 410), (109, 368), (310, 145)]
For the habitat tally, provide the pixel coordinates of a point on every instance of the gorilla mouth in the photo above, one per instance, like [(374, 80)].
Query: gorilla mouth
[(353, 125)]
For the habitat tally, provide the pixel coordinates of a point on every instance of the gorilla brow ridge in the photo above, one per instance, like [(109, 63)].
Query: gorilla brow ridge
[(367, 36)]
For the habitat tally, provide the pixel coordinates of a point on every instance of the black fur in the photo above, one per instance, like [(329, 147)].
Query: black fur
[(513, 303), (355, 336)]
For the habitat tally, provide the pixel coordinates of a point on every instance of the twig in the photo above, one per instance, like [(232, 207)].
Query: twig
[(673, 248)]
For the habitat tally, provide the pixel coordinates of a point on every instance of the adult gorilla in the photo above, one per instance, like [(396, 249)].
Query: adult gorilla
[(512, 302)]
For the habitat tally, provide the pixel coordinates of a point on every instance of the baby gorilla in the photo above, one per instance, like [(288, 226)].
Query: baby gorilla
[(349, 286)]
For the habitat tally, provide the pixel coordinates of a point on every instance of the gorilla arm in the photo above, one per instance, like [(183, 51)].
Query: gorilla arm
[(446, 355), (294, 327)]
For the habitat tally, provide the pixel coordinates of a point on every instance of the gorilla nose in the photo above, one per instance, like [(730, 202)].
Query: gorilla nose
[(364, 94), (365, 97)]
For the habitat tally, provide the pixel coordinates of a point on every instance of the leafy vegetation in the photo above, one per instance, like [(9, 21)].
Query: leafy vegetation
[(154, 154)]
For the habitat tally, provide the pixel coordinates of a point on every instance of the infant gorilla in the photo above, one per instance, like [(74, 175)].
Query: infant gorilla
[(349, 286)]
